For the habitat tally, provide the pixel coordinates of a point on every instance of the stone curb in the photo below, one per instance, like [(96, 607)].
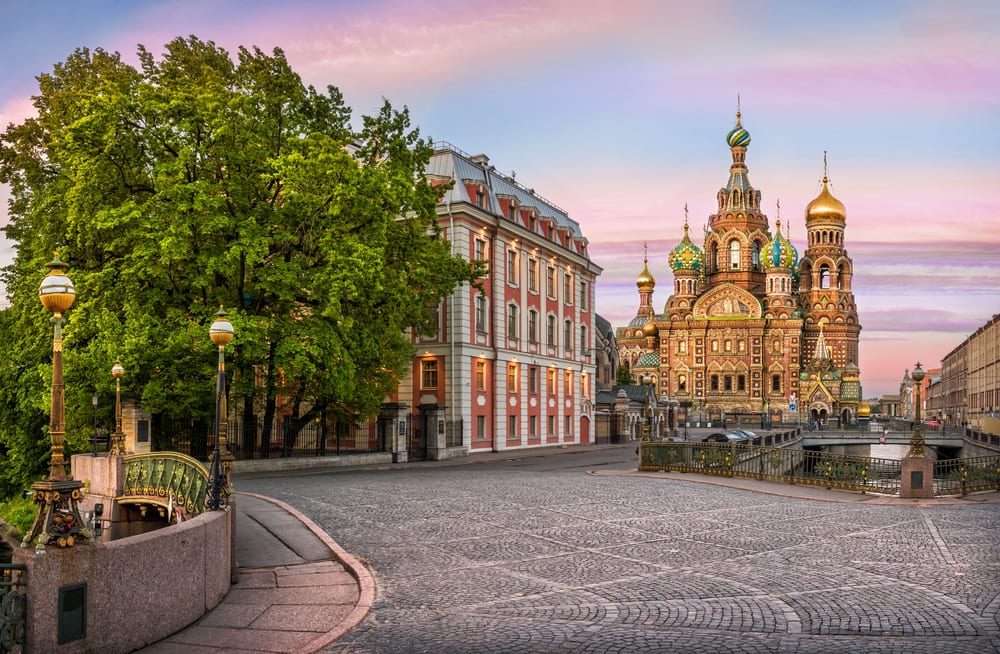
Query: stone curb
[(366, 582)]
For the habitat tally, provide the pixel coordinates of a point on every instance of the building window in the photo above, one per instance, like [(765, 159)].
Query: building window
[(512, 211), (568, 383), (734, 254), (824, 276), (714, 383), (568, 288), (727, 381), (532, 426), (480, 198), (584, 300), (568, 433), (551, 390), (776, 383), (480, 375), (715, 346), (481, 321), (584, 385), (512, 377), (552, 426), (550, 331), (512, 427), (741, 382), (550, 282), (481, 250), (742, 346), (512, 321), (513, 268), (568, 335), (533, 275), (532, 326), (729, 345), (429, 374), (682, 382), (533, 380), (584, 345), (682, 347), (533, 223), (481, 427)]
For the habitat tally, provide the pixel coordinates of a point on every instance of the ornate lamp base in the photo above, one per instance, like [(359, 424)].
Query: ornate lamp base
[(58, 521)]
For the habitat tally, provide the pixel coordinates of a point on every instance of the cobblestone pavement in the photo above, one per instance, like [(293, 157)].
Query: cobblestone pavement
[(500, 558)]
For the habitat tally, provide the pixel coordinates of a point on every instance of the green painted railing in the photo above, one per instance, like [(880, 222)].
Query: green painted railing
[(167, 475), (961, 476), (814, 468)]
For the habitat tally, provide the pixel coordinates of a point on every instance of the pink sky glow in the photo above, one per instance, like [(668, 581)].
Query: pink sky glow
[(617, 113)]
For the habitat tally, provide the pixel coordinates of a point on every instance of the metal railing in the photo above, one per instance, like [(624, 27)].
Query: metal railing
[(815, 468), (961, 476), (166, 475), (806, 467), (13, 607)]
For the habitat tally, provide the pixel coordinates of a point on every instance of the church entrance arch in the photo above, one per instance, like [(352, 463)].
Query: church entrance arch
[(818, 415)]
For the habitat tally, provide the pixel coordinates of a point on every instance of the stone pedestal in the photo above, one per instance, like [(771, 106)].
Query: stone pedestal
[(916, 477), (103, 477), (395, 414)]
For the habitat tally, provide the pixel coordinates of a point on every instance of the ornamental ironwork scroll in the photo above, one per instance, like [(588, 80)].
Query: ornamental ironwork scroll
[(167, 475), (13, 613)]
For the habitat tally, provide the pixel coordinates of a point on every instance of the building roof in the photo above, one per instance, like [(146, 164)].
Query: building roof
[(450, 162)]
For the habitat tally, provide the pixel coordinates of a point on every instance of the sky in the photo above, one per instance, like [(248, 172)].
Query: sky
[(617, 112)]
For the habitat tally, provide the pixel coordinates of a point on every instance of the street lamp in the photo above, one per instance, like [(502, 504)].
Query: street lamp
[(221, 332), (917, 439), (118, 438), (58, 520), (96, 437), (649, 391)]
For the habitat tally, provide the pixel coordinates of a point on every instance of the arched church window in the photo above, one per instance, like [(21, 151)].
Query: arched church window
[(756, 255), (734, 254), (824, 276)]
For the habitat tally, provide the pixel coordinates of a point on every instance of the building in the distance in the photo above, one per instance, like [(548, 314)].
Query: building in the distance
[(750, 328), (513, 362), (970, 375)]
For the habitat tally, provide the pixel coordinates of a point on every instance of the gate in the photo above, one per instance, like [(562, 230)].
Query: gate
[(421, 425), (12, 607)]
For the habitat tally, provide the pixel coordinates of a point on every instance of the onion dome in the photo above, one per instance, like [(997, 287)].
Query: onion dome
[(779, 252), (687, 255), (645, 281), (825, 208), (649, 329), (738, 137)]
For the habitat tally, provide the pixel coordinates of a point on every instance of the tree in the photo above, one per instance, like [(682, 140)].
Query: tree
[(197, 181), (623, 377)]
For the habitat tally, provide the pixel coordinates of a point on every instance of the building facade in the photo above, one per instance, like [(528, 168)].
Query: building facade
[(750, 328), (970, 375), (512, 364)]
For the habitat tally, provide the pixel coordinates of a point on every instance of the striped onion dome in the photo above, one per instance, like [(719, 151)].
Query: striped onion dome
[(779, 252), (738, 137)]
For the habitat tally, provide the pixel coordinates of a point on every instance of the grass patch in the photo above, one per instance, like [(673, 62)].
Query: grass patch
[(18, 513)]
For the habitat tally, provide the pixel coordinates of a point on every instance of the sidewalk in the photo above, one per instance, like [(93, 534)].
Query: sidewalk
[(297, 590)]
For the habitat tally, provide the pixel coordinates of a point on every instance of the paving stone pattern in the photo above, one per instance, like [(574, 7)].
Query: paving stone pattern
[(473, 559)]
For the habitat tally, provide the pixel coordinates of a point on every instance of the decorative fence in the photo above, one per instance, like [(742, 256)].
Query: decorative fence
[(12, 607), (166, 476), (809, 467)]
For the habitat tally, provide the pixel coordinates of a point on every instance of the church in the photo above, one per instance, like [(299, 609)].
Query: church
[(752, 332)]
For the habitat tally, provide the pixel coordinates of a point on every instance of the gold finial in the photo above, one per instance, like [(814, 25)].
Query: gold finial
[(685, 217), (825, 178), (778, 202), (737, 108), (645, 252)]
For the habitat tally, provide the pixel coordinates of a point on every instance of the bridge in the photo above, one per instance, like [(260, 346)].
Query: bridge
[(932, 439)]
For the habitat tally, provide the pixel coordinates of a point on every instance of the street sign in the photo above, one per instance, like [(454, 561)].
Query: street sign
[(791, 406)]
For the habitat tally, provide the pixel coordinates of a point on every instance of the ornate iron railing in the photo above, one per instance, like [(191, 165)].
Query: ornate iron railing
[(807, 467), (167, 475), (12, 607), (961, 476)]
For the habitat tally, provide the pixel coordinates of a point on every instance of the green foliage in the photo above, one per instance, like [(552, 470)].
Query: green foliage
[(623, 377), (19, 513), (195, 181)]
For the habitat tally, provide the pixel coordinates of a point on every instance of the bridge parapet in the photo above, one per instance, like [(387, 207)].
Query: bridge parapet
[(160, 477)]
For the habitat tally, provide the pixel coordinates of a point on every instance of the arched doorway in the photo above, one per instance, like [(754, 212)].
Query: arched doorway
[(818, 414)]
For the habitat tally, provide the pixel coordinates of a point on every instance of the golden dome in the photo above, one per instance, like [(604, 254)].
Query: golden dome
[(645, 281), (826, 207), (649, 329)]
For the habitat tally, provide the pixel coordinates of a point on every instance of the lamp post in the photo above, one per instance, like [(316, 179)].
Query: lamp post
[(917, 439), (221, 332), (96, 437), (685, 403), (647, 383), (58, 520), (118, 438)]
